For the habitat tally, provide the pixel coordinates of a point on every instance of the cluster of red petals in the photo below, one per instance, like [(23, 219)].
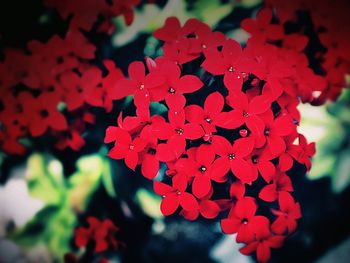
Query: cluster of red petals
[(101, 234), (231, 122), (318, 28), (36, 82)]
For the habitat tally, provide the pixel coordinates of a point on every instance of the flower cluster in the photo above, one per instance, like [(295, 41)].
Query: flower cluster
[(317, 28), (50, 87), (229, 137), (100, 233)]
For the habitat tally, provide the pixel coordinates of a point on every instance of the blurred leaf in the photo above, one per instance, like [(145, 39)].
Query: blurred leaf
[(322, 166), (157, 108), (151, 17), (85, 181), (211, 12), (341, 179), (149, 203), (107, 179), (41, 183), (52, 226)]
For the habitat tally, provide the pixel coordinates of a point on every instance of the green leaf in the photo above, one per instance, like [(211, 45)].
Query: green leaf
[(84, 182), (41, 183), (341, 178), (107, 180), (150, 203), (211, 12)]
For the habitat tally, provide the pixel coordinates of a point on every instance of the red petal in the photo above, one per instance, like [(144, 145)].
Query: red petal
[(111, 134), (233, 81), (177, 145), (131, 159), (150, 166), (188, 202), (268, 193), (136, 71), (245, 208), (243, 147), (283, 126), (229, 120), (118, 152), (209, 209), (221, 146), (219, 170), (243, 171), (230, 226), (193, 131), (169, 204), (276, 145), (267, 170), (194, 113), (205, 155), (180, 182), (188, 84), (214, 104), (201, 186), (263, 252), (161, 188), (248, 249), (259, 104), (175, 102), (285, 162)]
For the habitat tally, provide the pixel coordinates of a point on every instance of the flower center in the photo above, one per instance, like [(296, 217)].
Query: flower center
[(131, 147), (203, 169), (245, 114), (172, 91), (245, 221), (179, 131), (267, 132), (204, 46), (255, 159), (243, 132), (208, 120), (44, 113), (142, 86), (231, 156), (231, 69)]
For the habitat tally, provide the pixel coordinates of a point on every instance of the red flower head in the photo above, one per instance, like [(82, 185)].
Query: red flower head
[(175, 195), (102, 233)]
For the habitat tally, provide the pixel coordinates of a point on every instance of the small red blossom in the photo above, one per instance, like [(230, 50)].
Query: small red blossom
[(102, 233), (175, 195)]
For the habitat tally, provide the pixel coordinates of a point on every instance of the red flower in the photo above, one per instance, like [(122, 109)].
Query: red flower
[(211, 115), (303, 152), (239, 220), (175, 195), (42, 113), (175, 85), (139, 84), (198, 165), (287, 215), (176, 132), (281, 183), (245, 111), (102, 233), (125, 146), (275, 130), (261, 161), (228, 62), (232, 157), (264, 240), (261, 28), (207, 208)]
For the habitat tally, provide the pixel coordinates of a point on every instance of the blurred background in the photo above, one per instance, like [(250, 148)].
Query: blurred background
[(46, 194)]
